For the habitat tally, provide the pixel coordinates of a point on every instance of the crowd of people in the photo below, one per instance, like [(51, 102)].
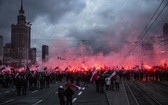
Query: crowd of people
[(105, 79), (29, 80)]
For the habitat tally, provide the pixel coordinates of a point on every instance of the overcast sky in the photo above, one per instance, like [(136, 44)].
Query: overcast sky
[(106, 25)]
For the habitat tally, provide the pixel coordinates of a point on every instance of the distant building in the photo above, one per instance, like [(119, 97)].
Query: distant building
[(147, 46), (45, 53), (1, 50), (7, 54), (165, 36), (165, 29), (33, 55), (147, 54), (20, 39)]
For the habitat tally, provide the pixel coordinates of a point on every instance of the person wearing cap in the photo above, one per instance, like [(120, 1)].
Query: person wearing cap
[(61, 95)]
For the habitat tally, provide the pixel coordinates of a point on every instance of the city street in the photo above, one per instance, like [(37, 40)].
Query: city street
[(130, 93), (83, 52), (85, 96)]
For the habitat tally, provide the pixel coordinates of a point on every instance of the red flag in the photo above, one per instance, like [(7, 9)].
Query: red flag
[(66, 69), (45, 68), (56, 67)]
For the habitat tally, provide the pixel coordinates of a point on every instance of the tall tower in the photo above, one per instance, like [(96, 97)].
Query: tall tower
[(165, 37), (32, 55), (1, 50), (45, 53), (20, 38), (7, 51), (147, 52), (165, 29)]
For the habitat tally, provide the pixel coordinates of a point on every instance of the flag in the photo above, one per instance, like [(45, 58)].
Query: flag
[(95, 75), (56, 67), (37, 66), (45, 68), (66, 69), (2, 68), (72, 86), (113, 75), (105, 72)]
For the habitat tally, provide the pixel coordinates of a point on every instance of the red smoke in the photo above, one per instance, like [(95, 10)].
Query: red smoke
[(73, 60)]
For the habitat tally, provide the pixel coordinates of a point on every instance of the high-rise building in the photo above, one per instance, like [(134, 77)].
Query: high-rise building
[(45, 53), (165, 29), (20, 38), (1, 50), (147, 46), (147, 54), (7, 54), (165, 36), (33, 55)]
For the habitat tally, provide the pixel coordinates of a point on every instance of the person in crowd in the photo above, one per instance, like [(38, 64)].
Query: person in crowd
[(78, 80), (112, 83), (97, 82), (42, 82), (108, 83), (102, 83), (24, 85), (47, 79), (61, 95), (18, 84), (35, 82), (117, 82), (31, 82), (69, 93)]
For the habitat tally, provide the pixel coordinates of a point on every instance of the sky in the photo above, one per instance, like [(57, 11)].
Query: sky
[(95, 27)]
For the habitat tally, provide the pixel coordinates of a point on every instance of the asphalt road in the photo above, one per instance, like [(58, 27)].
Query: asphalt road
[(48, 96)]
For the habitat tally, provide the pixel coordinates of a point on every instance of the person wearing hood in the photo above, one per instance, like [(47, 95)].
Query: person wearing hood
[(61, 95)]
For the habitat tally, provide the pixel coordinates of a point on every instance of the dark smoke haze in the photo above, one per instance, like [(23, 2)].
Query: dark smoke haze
[(100, 31)]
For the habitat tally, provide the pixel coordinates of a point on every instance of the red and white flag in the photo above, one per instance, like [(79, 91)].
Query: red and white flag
[(72, 86), (113, 75), (94, 76), (105, 72)]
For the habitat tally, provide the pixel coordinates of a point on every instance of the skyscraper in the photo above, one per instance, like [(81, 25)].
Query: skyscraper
[(1, 50), (147, 54), (33, 55), (7, 54), (45, 52), (165, 29), (20, 38), (165, 36)]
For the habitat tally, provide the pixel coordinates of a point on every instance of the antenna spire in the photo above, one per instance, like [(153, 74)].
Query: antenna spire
[(21, 11), (21, 4)]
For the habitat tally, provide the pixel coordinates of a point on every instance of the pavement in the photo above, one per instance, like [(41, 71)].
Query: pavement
[(117, 97)]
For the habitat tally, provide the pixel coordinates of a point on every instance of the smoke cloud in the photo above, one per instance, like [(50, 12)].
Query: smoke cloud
[(97, 32)]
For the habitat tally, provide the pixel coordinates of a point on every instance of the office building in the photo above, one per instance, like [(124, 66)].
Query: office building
[(45, 53), (20, 38)]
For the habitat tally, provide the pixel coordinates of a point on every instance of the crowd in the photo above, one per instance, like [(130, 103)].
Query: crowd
[(29, 80), (106, 79)]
